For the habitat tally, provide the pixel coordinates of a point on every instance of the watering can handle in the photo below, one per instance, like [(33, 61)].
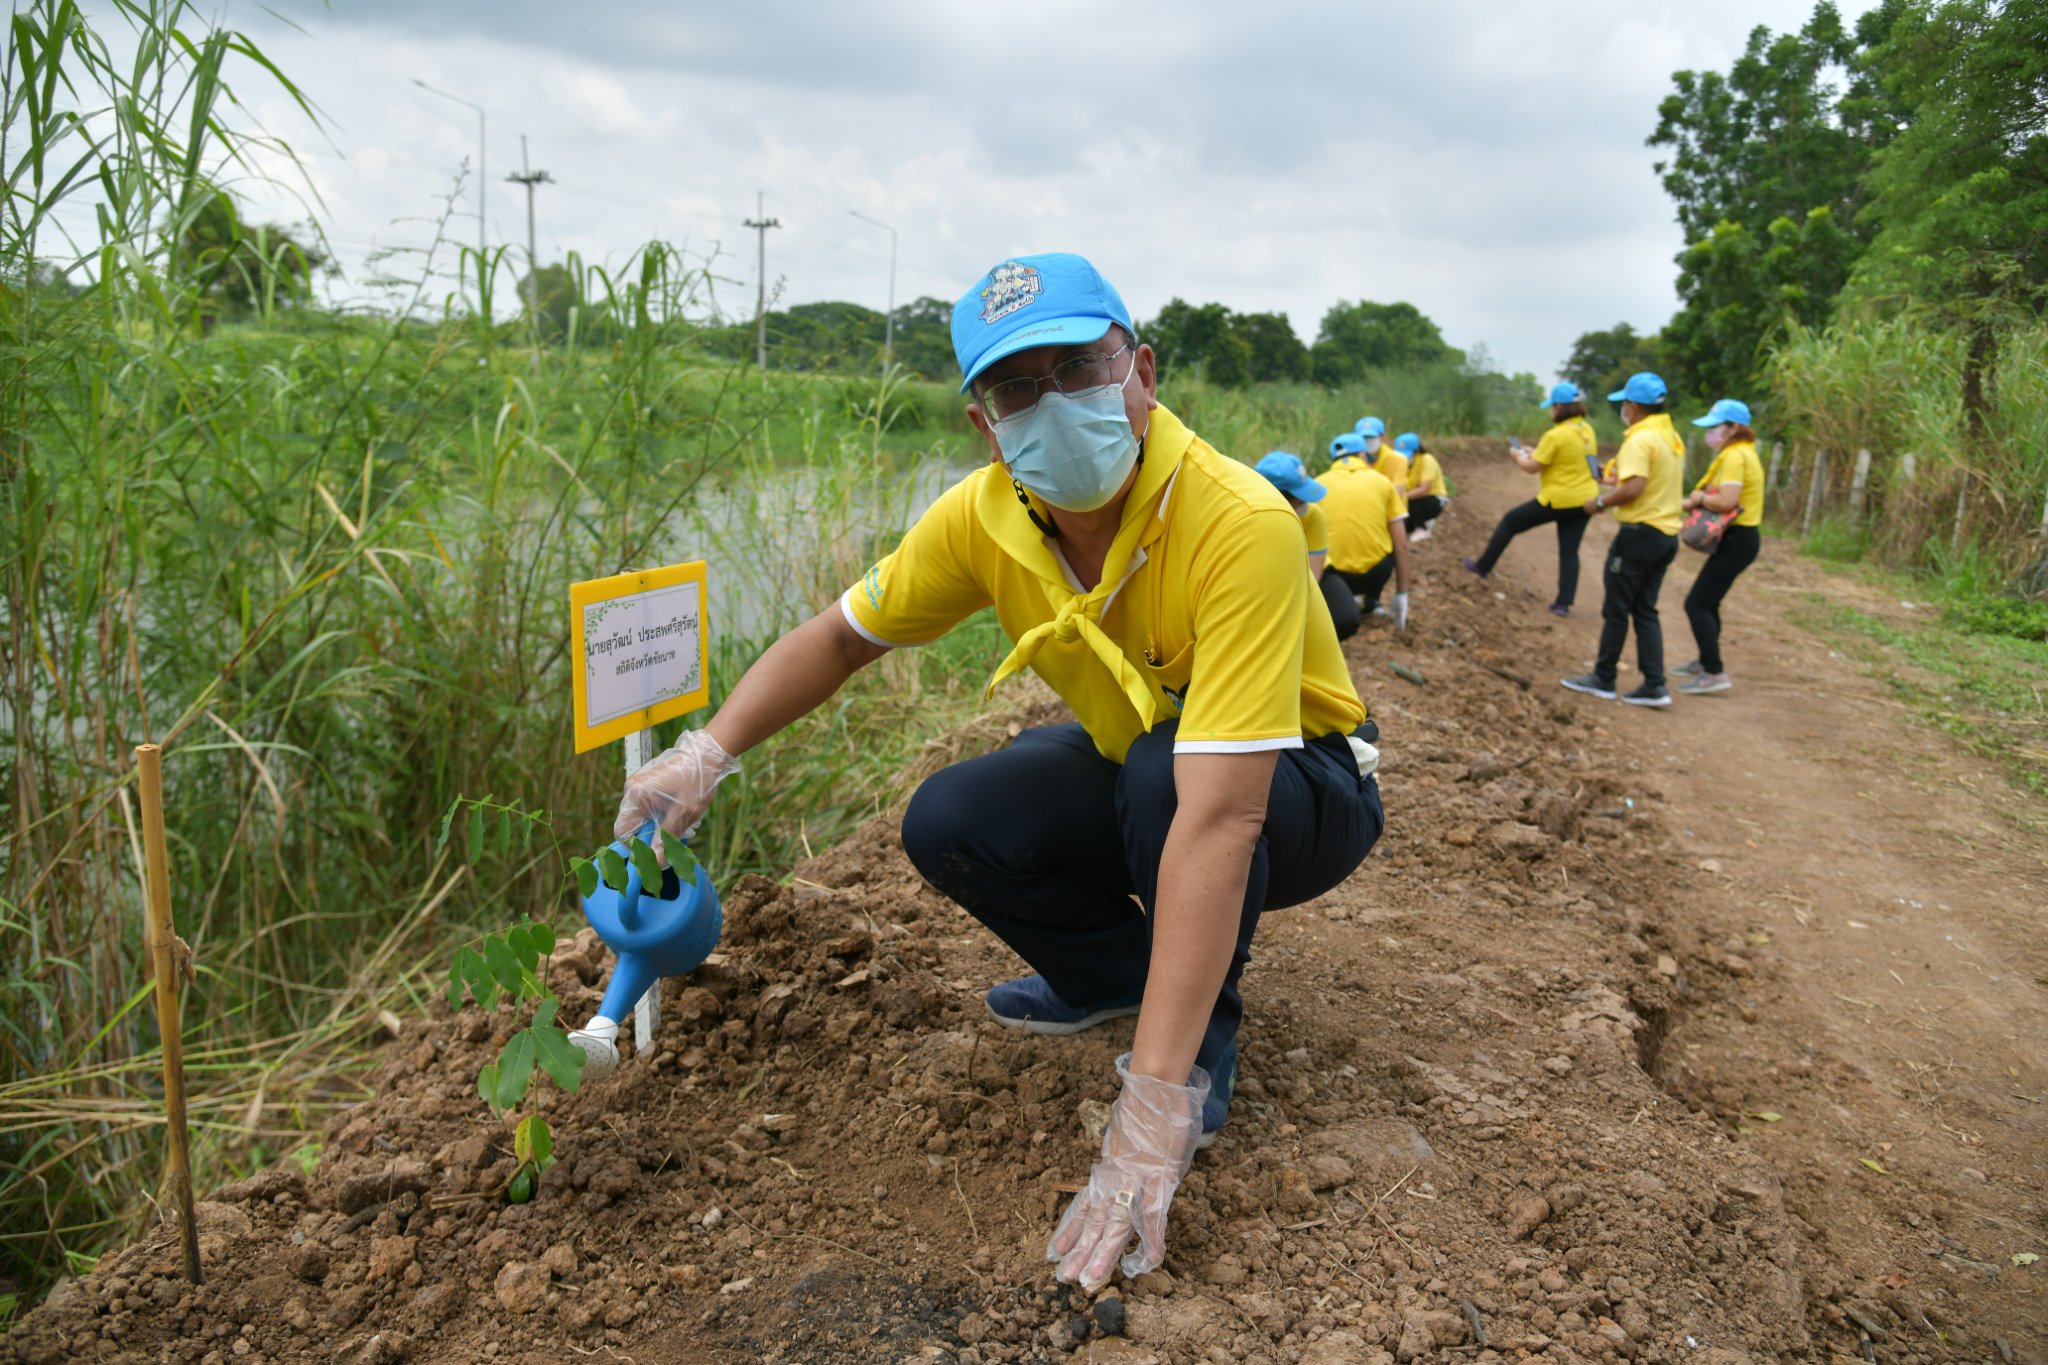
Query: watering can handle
[(629, 908)]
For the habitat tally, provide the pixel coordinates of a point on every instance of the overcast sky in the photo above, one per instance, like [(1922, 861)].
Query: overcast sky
[(1483, 161)]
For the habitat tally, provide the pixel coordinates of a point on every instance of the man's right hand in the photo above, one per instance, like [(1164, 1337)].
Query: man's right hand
[(674, 790)]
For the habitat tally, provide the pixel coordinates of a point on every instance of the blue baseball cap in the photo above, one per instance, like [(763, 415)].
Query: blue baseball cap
[(1057, 299), (1407, 443), (1346, 443), (1566, 392), (1288, 474), (1726, 410), (1370, 426), (1642, 387)]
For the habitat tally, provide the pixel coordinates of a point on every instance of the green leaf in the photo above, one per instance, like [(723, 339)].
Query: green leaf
[(476, 833), (447, 823), (515, 1069), (520, 942), (544, 1013), (2025, 1257), (504, 830), (1872, 1165), (503, 962), (543, 936), (526, 833), (645, 865), (1768, 1116), (612, 868), (487, 1083), (521, 1188), (471, 970), (560, 1058), (532, 1142), (586, 876), (681, 857)]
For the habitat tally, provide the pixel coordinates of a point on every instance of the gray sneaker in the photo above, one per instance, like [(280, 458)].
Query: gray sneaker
[(1688, 670), (1647, 694), (1705, 684), (1591, 684)]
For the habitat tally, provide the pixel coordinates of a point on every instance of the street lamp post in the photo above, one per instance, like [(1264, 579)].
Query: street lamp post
[(889, 328), (482, 179)]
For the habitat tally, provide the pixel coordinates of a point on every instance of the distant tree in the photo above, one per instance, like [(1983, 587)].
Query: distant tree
[(1277, 354), (1602, 361), (1187, 337), (924, 339), (239, 268), (1961, 193), (1362, 336), (556, 297), (1765, 170)]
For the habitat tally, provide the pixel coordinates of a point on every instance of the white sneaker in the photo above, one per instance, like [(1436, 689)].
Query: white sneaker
[(1417, 536)]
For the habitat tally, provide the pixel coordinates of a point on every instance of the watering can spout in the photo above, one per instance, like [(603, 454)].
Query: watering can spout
[(655, 932)]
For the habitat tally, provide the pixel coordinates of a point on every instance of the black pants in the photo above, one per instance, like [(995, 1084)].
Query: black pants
[(1423, 510), (1634, 576), (1370, 583), (1571, 529), (1045, 842), (1343, 606), (1739, 548)]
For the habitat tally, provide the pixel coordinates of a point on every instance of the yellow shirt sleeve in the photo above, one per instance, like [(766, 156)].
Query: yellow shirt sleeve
[(1250, 602), (926, 585), (1631, 460), (1315, 529)]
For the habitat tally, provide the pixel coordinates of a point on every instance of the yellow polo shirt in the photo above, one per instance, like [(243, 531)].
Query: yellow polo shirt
[(1566, 480), (1739, 463), (1653, 449), (1201, 615), (1421, 471), (1315, 528), (1362, 507)]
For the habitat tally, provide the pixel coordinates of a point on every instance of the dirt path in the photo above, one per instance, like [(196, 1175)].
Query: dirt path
[(1584, 1064)]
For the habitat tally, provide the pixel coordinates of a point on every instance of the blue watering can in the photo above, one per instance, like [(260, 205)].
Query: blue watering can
[(655, 933)]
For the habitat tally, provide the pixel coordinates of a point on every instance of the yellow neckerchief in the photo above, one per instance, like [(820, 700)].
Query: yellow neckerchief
[(1077, 616)]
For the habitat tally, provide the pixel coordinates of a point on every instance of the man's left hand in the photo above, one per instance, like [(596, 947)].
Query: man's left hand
[(1145, 1153), (1400, 611)]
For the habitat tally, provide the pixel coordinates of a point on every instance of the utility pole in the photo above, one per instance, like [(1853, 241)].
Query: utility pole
[(761, 222), (889, 330), (482, 180), (530, 178)]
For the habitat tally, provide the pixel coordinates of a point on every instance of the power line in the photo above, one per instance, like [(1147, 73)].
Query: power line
[(529, 179), (761, 224)]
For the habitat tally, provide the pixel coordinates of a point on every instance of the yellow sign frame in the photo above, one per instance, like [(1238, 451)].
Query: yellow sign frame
[(592, 591)]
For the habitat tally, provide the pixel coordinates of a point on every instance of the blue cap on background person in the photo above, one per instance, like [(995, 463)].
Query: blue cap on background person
[(1726, 410), (1566, 392), (1370, 426), (1407, 443), (1643, 387), (1348, 443), (1057, 299), (1288, 474)]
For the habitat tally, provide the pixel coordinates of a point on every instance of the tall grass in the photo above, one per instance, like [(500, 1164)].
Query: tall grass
[(323, 559), (1894, 386)]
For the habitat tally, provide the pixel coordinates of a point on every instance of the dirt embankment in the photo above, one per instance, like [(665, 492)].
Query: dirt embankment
[(1453, 1138)]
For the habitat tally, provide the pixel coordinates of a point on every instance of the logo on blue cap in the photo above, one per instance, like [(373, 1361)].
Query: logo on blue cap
[(1011, 286)]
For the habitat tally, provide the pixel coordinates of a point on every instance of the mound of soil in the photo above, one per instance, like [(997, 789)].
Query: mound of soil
[(1450, 1141)]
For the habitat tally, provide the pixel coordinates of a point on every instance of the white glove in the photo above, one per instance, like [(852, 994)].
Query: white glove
[(1400, 611), (1146, 1152), (674, 790)]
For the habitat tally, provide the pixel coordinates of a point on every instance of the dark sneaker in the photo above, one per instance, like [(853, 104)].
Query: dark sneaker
[(1028, 1003), (1705, 684), (1592, 684), (1691, 669), (1472, 566), (1222, 1082), (1559, 609), (1648, 694)]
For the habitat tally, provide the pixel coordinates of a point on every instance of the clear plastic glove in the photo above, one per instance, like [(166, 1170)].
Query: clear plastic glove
[(1145, 1152), (1400, 611), (674, 790)]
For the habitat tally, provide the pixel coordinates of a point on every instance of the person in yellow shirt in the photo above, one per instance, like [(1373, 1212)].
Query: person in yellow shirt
[(1563, 461), (1368, 528), (1285, 471), (1648, 472), (1220, 762), (1376, 453), (1425, 491), (1734, 482)]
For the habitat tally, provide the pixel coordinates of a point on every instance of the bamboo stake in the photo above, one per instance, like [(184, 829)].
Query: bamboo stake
[(163, 944), (1771, 480), (1815, 490), (1859, 486)]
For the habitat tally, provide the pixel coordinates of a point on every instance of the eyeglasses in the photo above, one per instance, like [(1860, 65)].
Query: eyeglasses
[(1090, 370)]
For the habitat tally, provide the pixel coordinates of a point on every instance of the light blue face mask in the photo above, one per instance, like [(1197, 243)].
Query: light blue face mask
[(1072, 449)]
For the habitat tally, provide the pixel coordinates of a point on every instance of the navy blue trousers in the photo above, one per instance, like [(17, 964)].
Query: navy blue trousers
[(1046, 842)]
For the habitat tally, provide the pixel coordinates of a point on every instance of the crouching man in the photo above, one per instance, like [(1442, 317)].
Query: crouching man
[(1213, 772)]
